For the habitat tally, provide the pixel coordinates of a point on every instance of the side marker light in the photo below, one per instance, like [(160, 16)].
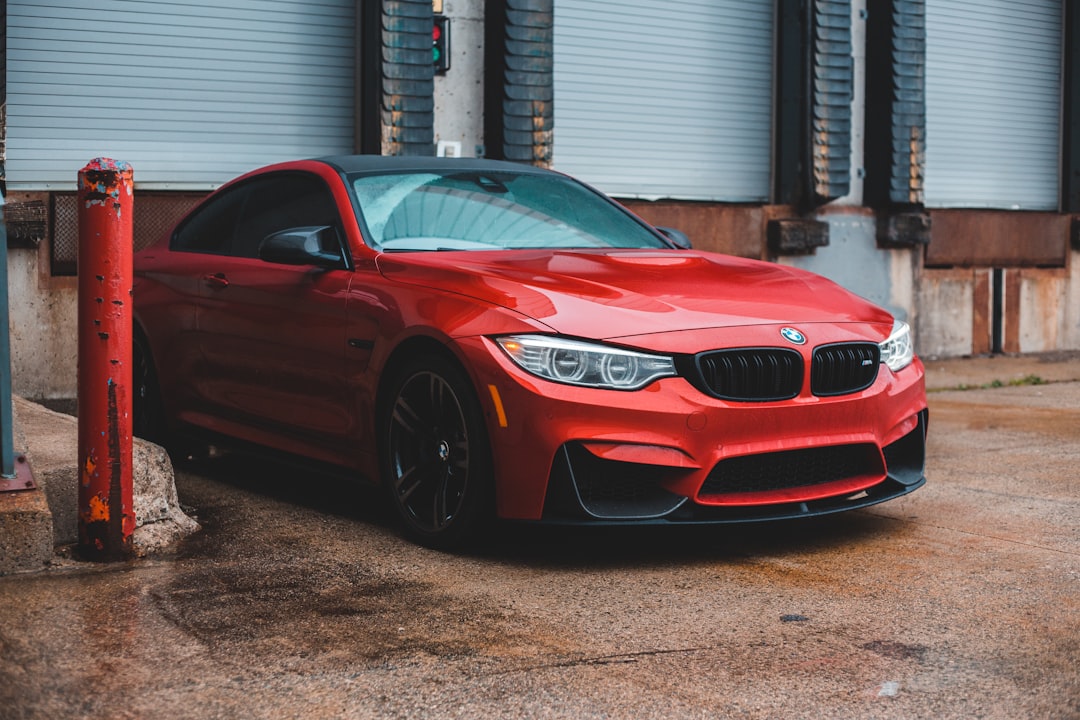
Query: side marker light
[(500, 412)]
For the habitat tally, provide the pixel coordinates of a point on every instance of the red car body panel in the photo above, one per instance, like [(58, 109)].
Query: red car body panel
[(291, 357), (619, 293)]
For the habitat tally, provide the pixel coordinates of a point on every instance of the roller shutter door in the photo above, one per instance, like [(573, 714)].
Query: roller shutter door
[(190, 93), (993, 103), (665, 99)]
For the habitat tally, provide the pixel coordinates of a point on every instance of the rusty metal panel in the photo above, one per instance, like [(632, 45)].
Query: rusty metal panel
[(1012, 312), (26, 218), (997, 238), (732, 229), (980, 313)]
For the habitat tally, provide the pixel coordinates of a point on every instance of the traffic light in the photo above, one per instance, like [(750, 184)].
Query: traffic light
[(440, 44)]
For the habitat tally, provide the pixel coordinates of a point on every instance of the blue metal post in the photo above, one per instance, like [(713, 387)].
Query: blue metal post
[(7, 451), (15, 473)]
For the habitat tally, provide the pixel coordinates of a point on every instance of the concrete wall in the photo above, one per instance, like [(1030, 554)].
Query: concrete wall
[(950, 309), (852, 259), (1040, 309), (1049, 312), (43, 315), (459, 94), (946, 320)]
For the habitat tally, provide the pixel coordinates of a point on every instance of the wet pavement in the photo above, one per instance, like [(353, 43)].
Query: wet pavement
[(299, 599)]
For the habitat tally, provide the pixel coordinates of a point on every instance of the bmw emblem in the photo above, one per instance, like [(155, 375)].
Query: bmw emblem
[(793, 336)]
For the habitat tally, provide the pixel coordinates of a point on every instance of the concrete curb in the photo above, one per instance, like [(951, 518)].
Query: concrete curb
[(992, 370), (51, 442), (26, 524), (26, 531)]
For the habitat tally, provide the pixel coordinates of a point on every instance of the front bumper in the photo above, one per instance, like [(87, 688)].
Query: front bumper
[(671, 454), (585, 489)]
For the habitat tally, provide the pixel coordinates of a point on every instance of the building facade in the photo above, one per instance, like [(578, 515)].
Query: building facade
[(923, 153)]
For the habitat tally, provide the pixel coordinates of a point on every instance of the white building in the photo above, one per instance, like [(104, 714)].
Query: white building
[(924, 153)]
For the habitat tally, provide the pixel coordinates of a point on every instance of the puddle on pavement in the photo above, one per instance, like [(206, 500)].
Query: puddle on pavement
[(253, 582), (1046, 422)]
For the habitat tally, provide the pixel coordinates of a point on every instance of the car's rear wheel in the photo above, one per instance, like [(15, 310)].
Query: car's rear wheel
[(147, 416), (147, 410), (435, 454)]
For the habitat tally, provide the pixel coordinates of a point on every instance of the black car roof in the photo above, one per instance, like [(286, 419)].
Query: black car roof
[(414, 163)]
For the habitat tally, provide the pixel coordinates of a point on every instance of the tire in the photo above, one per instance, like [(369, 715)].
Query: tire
[(147, 412), (435, 455)]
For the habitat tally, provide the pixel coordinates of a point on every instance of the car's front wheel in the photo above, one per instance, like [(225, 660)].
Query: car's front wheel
[(435, 453)]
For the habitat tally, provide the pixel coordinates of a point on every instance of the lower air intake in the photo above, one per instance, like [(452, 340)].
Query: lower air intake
[(791, 469)]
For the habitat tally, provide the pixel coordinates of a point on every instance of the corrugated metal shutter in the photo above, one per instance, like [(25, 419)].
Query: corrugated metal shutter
[(190, 93), (993, 103), (665, 99)]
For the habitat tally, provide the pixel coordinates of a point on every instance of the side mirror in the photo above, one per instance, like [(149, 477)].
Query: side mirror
[(677, 237), (303, 246)]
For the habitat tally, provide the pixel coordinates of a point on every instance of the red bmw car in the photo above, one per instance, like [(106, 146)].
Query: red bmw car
[(487, 339)]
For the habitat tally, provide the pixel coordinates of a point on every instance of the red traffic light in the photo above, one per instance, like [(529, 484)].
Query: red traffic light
[(440, 44)]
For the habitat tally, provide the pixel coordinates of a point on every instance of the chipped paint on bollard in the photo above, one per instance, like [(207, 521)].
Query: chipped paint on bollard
[(106, 513)]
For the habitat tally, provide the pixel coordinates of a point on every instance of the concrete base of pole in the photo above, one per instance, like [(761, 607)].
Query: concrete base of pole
[(26, 531), (32, 524), (26, 523)]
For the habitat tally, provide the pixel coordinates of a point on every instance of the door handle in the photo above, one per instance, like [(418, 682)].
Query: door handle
[(216, 281)]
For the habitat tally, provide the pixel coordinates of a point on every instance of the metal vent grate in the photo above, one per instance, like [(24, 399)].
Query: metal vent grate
[(844, 369), (154, 215), (751, 374), (791, 469), (612, 489)]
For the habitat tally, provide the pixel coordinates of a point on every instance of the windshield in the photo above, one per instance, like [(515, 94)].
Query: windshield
[(490, 211)]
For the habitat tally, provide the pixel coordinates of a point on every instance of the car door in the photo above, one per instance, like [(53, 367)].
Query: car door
[(169, 291), (273, 335)]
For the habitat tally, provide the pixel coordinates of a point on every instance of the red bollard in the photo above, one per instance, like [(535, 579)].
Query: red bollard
[(106, 515)]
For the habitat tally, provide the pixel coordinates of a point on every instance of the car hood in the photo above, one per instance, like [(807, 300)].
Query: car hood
[(608, 294)]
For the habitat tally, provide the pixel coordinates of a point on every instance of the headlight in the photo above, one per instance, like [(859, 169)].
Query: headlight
[(898, 351), (582, 363)]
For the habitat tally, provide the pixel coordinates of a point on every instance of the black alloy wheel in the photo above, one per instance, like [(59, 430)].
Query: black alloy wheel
[(147, 420), (437, 467)]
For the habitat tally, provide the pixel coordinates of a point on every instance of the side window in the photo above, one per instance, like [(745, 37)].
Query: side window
[(284, 201), (211, 228)]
